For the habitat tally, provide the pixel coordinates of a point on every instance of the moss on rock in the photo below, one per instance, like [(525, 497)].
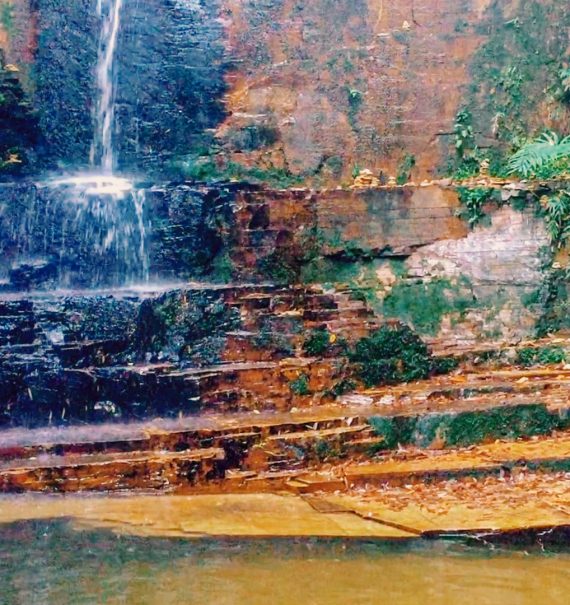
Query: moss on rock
[(463, 429)]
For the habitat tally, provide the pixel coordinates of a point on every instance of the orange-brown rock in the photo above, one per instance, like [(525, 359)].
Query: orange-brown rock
[(100, 472), (365, 179)]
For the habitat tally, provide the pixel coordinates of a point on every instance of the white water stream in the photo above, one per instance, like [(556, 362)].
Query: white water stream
[(92, 224), (102, 154)]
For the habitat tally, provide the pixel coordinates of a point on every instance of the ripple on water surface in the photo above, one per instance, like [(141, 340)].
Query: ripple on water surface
[(50, 562)]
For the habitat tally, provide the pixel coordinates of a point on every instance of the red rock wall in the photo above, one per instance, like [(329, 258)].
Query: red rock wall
[(298, 63), (295, 65), (320, 87), (287, 228)]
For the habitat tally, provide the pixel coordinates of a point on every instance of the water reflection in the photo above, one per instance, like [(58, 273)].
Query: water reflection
[(51, 563)]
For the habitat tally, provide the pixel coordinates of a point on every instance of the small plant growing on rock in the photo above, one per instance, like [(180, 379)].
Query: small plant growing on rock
[(405, 169), (473, 202), (556, 209), (326, 451), (465, 145), (300, 386), (542, 356), (342, 387), (317, 342), (444, 365), (561, 90), (322, 343), (392, 354), (355, 99)]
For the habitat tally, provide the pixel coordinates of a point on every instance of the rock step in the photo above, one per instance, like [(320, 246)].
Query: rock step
[(132, 470), (162, 389), (77, 354), (313, 434), (310, 446), (451, 428), (87, 353), (198, 432), (468, 385), (15, 307), (470, 352), (300, 437), (16, 330), (129, 392), (297, 322), (278, 299), (410, 467), (281, 385), (500, 458), (248, 346)]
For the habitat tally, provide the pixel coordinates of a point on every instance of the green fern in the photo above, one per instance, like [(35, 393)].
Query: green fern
[(557, 216), (545, 151)]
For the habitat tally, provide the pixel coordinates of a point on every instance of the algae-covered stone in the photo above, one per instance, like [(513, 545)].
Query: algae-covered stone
[(460, 429), (392, 354)]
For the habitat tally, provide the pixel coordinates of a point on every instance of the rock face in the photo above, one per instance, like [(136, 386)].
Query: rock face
[(171, 65), (284, 87), (225, 232), (58, 236), (502, 264), (63, 80), (18, 123), (170, 78), (347, 83), (382, 254), (404, 245), (395, 221), (207, 92), (506, 253)]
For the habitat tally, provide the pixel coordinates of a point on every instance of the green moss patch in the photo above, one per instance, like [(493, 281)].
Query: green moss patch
[(539, 356), (424, 304), (462, 429), (390, 355), (300, 386)]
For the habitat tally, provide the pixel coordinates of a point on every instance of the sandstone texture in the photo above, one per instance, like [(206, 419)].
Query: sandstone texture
[(311, 91)]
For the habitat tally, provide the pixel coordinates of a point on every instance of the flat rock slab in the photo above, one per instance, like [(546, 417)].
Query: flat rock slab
[(249, 515), (530, 503), (500, 456), (494, 505)]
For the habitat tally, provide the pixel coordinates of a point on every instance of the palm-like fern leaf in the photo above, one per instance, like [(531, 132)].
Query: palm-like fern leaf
[(548, 148)]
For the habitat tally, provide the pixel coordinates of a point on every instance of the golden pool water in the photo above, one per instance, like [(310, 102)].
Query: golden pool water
[(57, 562)]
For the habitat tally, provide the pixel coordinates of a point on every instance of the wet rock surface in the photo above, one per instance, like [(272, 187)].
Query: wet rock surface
[(171, 71), (64, 60), (204, 87), (57, 236), (170, 80), (181, 349), (97, 357), (249, 380)]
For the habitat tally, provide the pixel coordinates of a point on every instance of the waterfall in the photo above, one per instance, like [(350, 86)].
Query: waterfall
[(83, 232), (102, 156), (87, 230)]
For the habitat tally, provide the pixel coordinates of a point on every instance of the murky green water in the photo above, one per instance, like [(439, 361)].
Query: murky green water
[(51, 563)]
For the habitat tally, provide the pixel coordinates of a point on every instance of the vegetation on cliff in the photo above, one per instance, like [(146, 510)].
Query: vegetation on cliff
[(392, 354), (546, 157), (520, 86), (17, 122)]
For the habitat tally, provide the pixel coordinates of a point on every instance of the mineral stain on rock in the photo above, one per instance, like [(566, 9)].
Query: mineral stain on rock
[(228, 312)]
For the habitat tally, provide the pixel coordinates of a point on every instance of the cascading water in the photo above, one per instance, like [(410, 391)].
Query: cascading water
[(109, 11), (95, 218)]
